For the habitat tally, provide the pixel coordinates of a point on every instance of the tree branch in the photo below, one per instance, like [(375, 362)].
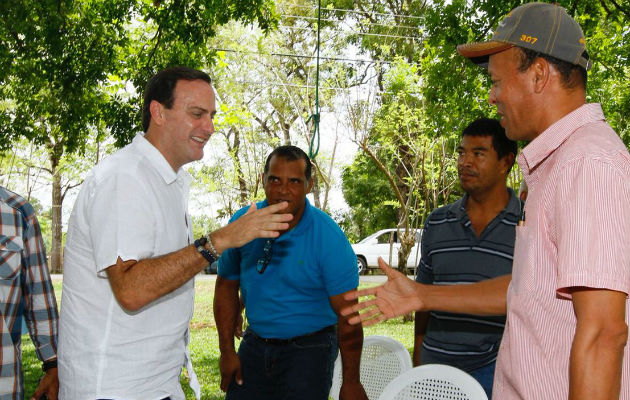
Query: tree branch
[(158, 37), (618, 7), (68, 187), (380, 166)]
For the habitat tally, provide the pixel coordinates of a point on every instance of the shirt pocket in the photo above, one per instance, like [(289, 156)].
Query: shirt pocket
[(11, 248)]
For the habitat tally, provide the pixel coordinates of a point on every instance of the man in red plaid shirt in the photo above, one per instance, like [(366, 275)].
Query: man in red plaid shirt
[(26, 291)]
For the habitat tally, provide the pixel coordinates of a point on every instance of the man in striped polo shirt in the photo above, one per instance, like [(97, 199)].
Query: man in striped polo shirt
[(468, 241)]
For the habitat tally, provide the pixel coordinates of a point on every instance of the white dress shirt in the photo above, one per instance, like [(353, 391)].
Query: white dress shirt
[(133, 206)]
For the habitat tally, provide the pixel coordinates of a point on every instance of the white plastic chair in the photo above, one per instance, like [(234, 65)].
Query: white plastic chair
[(432, 382), (382, 359)]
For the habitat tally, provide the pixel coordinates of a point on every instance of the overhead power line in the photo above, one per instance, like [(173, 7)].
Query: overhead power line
[(353, 32), (329, 88), (291, 85), (303, 17), (353, 60), (359, 12)]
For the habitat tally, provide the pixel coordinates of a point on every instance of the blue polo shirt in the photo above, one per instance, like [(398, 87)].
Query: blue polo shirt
[(310, 263)]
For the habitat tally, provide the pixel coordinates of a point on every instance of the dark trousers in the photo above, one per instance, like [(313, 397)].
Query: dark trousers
[(294, 369), (485, 376)]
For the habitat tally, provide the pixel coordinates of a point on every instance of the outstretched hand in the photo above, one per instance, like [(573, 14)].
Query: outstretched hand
[(398, 296), (255, 223)]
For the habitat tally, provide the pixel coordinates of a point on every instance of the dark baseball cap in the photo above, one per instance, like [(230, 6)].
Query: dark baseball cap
[(542, 27)]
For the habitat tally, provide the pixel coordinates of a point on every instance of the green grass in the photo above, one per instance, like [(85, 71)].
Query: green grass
[(204, 345)]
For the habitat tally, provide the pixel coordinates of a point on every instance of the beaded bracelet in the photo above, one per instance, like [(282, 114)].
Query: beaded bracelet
[(212, 249)]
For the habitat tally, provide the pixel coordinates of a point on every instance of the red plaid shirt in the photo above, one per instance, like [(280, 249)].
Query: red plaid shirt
[(25, 291)]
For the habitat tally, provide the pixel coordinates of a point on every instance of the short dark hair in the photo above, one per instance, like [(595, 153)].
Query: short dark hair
[(491, 127), (291, 153), (162, 85), (572, 75)]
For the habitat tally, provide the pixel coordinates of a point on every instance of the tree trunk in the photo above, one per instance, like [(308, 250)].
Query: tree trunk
[(315, 190), (55, 152), (330, 170), (56, 265), (242, 184)]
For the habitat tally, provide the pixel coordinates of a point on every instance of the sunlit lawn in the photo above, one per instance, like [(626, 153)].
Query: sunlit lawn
[(204, 345)]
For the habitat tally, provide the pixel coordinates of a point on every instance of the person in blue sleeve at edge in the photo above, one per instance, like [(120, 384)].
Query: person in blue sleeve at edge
[(292, 288)]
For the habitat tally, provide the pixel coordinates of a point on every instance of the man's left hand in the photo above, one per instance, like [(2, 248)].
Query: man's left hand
[(352, 391), (48, 385)]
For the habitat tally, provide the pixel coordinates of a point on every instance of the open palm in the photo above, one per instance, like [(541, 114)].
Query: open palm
[(397, 296)]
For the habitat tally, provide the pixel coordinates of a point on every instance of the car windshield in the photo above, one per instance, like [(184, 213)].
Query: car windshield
[(367, 239)]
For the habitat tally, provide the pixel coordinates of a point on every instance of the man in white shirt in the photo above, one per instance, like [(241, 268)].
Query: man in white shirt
[(130, 256)]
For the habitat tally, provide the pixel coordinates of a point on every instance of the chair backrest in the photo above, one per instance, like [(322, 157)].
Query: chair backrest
[(434, 381), (382, 359)]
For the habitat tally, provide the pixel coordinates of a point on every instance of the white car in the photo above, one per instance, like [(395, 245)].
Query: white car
[(377, 245)]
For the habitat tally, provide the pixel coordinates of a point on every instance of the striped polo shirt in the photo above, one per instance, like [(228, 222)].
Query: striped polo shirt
[(453, 254)]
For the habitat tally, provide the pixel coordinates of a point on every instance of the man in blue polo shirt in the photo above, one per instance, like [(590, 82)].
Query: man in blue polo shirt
[(468, 241), (292, 288)]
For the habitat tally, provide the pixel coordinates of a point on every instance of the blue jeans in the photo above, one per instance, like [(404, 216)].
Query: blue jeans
[(295, 369), (485, 376)]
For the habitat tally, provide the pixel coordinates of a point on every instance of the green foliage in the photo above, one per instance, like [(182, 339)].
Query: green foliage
[(57, 53), (45, 225), (203, 224), (452, 91), (406, 155), (20, 168), (167, 33), (57, 60), (456, 89), (367, 195), (393, 29), (72, 71), (607, 30), (265, 86)]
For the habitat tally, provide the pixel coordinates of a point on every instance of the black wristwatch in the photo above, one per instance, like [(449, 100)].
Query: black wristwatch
[(200, 245), (49, 364)]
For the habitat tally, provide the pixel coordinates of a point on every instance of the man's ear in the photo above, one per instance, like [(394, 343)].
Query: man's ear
[(508, 161), (540, 69), (157, 112), (309, 186)]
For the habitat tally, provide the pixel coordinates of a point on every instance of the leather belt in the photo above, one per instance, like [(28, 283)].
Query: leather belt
[(328, 329)]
